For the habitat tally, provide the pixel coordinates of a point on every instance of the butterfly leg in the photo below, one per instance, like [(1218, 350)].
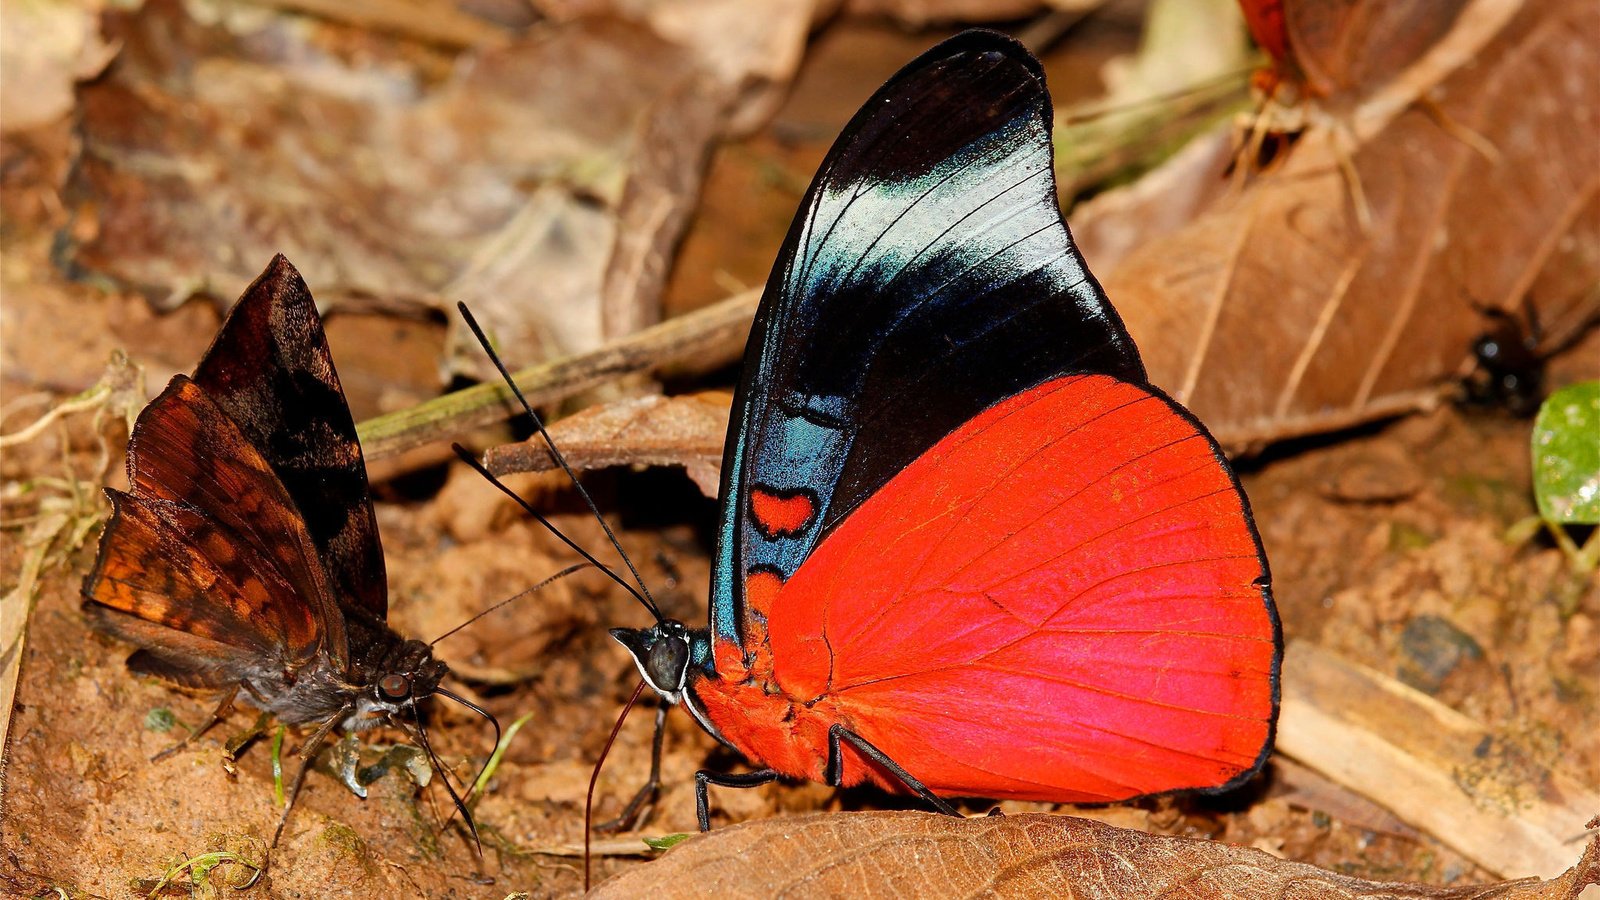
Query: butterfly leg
[(838, 735), (223, 708), (307, 752), (630, 814), (704, 777)]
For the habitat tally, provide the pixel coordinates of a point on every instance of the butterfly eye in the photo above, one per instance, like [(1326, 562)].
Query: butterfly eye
[(668, 657), (394, 687)]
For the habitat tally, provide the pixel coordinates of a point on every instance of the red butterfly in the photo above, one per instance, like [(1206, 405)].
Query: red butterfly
[(965, 548)]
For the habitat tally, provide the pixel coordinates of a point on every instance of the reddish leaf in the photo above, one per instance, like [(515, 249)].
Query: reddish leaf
[(911, 854), (1277, 312)]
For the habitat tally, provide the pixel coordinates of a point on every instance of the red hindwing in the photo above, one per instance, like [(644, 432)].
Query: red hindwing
[(1064, 599)]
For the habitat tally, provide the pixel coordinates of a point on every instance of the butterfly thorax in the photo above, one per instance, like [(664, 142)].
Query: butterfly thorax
[(386, 674), (743, 713)]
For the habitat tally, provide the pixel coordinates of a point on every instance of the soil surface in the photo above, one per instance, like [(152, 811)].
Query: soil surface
[(1388, 546)]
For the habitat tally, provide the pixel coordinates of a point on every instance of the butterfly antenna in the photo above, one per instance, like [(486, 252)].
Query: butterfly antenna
[(555, 454), (444, 776), (594, 777), (471, 460), (575, 567), (451, 695)]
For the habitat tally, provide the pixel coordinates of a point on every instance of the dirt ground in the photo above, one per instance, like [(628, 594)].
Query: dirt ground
[(1388, 546)]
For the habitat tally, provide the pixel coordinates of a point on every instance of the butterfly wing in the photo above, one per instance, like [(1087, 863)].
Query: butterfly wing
[(928, 275), (210, 564), (270, 371), (1075, 572), (205, 607)]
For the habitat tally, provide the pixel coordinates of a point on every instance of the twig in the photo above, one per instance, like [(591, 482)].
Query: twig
[(1474, 789), (703, 339), (90, 399)]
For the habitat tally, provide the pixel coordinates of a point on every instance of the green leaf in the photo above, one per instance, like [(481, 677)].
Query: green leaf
[(666, 841), (277, 765), (482, 781), (1566, 455)]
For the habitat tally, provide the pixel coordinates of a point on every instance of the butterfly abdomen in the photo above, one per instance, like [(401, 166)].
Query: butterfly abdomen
[(774, 729)]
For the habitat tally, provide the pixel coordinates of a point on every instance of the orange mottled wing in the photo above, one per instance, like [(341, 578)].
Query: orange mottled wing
[(184, 587), (210, 546), (270, 371)]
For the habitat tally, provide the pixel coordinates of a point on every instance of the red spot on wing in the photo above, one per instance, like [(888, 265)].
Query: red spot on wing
[(781, 515), (1062, 600), (761, 587)]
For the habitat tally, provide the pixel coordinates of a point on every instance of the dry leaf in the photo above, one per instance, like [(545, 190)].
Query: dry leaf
[(754, 57), (1478, 791), (443, 22), (541, 181), (1278, 313), (751, 51), (683, 431), (912, 854), (44, 48)]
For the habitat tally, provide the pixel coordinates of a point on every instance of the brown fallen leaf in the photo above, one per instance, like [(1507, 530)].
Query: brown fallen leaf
[(685, 431), (754, 57), (922, 13), (1277, 313), (914, 854), (540, 181), (1338, 48)]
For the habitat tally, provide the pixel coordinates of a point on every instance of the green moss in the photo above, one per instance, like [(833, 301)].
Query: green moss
[(1404, 538), (344, 841), (160, 720), (1487, 495)]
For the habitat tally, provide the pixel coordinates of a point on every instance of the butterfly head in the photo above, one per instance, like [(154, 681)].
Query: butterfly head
[(407, 675), (666, 653)]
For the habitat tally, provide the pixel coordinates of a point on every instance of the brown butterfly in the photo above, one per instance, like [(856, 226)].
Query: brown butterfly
[(246, 555)]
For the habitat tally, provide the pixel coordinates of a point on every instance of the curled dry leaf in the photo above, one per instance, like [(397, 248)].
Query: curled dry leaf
[(912, 854), (1277, 312), (685, 431), (507, 177)]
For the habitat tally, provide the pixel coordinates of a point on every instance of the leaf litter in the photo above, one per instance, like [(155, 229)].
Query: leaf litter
[(1360, 564)]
